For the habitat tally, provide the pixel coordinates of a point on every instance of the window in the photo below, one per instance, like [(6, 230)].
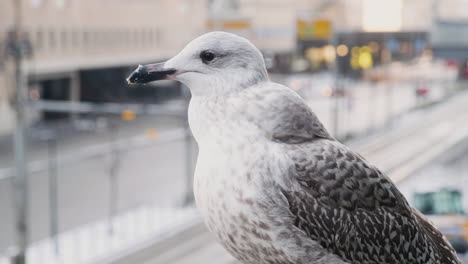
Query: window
[(150, 36), (135, 40), (74, 39), (64, 39), (94, 38), (156, 36), (121, 38), (39, 41), (128, 38), (144, 37), (52, 43), (160, 37), (85, 39)]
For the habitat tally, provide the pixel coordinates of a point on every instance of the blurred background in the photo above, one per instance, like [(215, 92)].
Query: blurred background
[(95, 171)]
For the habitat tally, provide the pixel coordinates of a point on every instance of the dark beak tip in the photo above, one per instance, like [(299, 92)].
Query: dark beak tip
[(149, 73), (136, 76), (132, 79)]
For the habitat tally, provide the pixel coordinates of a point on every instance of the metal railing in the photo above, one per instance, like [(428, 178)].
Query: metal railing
[(112, 163)]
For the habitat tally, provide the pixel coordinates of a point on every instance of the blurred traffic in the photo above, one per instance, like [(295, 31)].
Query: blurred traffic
[(95, 171)]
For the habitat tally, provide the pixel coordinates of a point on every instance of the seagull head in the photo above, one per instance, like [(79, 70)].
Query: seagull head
[(215, 63)]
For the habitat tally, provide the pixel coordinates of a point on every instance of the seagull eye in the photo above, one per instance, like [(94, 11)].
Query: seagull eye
[(207, 56)]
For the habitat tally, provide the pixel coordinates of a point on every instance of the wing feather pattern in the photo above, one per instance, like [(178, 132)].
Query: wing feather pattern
[(339, 199), (356, 212)]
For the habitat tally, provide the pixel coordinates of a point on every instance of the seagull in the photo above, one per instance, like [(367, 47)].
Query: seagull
[(271, 183)]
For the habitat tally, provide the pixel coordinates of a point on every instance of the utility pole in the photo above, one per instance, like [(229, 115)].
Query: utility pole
[(388, 82), (53, 189), (18, 50), (335, 105), (115, 161)]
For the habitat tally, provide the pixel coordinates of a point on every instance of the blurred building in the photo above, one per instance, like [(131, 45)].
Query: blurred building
[(372, 32), (269, 24), (82, 49), (286, 30), (449, 34), (364, 33)]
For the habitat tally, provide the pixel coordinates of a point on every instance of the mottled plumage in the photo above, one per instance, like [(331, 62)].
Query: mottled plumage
[(274, 186), (355, 211)]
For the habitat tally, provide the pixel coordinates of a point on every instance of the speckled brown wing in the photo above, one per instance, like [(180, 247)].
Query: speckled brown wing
[(354, 211)]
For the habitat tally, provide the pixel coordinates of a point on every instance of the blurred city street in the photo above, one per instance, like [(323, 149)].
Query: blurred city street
[(95, 170)]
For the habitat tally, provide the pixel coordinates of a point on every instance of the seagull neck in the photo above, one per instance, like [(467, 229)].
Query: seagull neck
[(219, 117)]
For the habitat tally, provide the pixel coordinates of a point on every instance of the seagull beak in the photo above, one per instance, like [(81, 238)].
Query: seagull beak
[(150, 72)]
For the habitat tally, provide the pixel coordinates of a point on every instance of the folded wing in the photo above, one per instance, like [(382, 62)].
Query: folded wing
[(355, 211)]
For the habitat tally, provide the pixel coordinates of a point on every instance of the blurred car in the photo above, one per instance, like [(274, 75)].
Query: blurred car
[(444, 209), (422, 91)]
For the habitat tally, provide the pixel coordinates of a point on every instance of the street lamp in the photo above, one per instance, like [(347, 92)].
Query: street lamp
[(18, 48)]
